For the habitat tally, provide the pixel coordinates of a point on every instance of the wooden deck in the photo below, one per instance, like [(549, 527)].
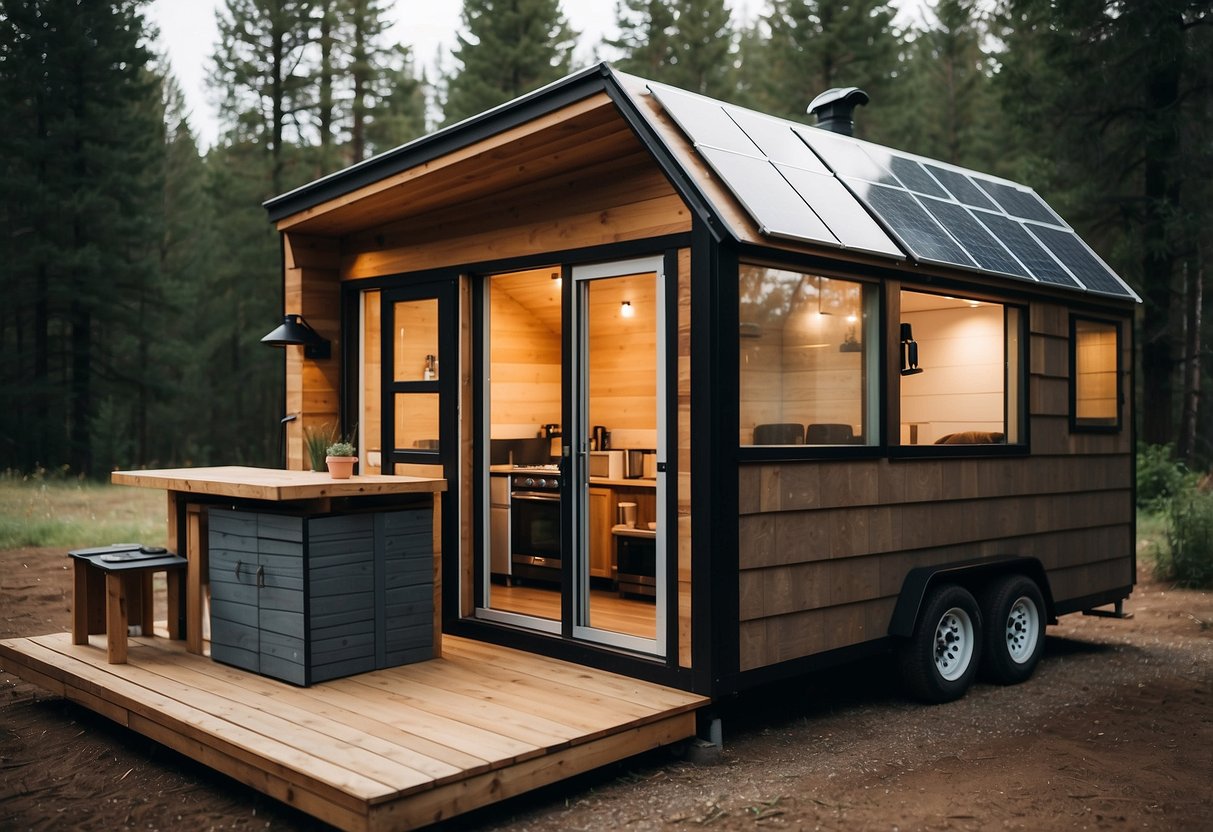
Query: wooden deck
[(393, 749)]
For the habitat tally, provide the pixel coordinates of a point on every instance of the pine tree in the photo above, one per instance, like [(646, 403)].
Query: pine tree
[(508, 48), (814, 45), (689, 44), (1114, 100), (646, 38), (704, 48), (398, 114), (79, 109), (259, 70), (947, 107)]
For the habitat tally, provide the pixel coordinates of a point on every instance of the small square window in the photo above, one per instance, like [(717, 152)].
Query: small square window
[(1095, 374)]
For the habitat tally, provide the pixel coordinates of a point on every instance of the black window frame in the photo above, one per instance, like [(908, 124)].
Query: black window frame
[(805, 453), (1076, 425), (1023, 447)]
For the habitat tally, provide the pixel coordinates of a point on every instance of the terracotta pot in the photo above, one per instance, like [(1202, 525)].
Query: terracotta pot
[(341, 467)]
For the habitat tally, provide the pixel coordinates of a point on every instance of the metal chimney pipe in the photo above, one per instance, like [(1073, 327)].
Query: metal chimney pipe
[(834, 108)]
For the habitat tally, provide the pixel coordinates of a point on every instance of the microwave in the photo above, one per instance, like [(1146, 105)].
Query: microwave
[(606, 464)]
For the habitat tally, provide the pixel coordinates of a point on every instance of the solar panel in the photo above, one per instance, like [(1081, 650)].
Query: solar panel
[(913, 225), (809, 184), (777, 140), (1024, 246), (915, 177), (767, 196), (844, 156), (971, 234), (846, 218), (962, 187), (704, 120), (1017, 203), (1075, 256)]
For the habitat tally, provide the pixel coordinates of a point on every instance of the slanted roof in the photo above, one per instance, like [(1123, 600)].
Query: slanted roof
[(790, 181)]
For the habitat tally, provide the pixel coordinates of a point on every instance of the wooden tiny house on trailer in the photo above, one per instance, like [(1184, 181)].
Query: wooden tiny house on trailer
[(853, 375), (703, 399)]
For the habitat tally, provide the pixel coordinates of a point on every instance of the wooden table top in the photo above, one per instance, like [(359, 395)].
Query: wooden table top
[(272, 483)]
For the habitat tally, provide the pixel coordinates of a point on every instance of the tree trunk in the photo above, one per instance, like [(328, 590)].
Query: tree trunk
[(81, 456), (1193, 277), (1159, 338)]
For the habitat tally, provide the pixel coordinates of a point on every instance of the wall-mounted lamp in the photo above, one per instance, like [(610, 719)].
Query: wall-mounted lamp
[(850, 343), (626, 310), (909, 352), (294, 331)]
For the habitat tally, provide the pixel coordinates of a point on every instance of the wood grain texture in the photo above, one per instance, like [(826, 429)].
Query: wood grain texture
[(397, 748), (272, 484)]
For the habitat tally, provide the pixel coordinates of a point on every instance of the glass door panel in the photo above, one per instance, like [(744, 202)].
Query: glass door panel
[(417, 421), (522, 577), (619, 571), (416, 340)]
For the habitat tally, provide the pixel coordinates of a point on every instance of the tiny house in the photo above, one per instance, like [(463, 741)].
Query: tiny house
[(723, 398)]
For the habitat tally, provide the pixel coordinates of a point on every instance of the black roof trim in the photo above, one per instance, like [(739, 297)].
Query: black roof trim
[(546, 99)]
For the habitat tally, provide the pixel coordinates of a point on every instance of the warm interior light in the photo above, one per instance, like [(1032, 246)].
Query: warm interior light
[(626, 310), (556, 277), (851, 319)]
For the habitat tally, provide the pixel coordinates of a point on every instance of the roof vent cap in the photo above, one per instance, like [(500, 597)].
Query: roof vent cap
[(834, 108)]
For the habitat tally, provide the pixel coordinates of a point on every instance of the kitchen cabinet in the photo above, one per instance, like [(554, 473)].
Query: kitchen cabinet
[(602, 517), (307, 598)]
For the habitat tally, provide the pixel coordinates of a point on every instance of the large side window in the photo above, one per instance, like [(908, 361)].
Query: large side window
[(1094, 374), (961, 371), (809, 350)]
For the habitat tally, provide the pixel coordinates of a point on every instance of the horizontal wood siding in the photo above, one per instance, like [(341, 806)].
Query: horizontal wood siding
[(824, 546)]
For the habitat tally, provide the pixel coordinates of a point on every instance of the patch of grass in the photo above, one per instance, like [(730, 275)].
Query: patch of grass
[(36, 511)]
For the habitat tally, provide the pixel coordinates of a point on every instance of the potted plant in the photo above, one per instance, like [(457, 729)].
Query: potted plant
[(317, 442), (341, 460)]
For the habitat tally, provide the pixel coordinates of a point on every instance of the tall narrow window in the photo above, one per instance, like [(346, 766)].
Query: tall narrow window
[(808, 358), (1094, 376), (961, 375)]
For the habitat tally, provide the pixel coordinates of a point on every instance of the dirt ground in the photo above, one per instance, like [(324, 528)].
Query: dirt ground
[(1115, 731)]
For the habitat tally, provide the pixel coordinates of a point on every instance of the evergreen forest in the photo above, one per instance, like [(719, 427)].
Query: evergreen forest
[(138, 270)]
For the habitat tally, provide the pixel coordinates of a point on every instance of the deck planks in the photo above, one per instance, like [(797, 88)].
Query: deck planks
[(396, 748)]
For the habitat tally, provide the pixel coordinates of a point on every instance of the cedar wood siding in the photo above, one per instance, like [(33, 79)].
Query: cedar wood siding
[(577, 179), (824, 546)]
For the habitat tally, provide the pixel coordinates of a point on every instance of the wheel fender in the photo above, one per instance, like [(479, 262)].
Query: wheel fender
[(970, 574)]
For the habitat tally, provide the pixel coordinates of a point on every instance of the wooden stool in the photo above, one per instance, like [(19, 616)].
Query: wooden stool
[(127, 570)]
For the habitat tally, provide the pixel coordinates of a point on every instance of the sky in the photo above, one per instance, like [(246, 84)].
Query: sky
[(188, 34)]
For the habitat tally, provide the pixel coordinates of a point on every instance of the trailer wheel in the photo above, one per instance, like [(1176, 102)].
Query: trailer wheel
[(1014, 610), (940, 659)]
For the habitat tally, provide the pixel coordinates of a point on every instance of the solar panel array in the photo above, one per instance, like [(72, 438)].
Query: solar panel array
[(779, 181), (807, 184)]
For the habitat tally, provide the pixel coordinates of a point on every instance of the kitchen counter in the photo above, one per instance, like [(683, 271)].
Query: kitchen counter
[(192, 490), (272, 484)]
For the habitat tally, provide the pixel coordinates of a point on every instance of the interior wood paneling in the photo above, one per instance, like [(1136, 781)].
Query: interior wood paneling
[(682, 432)]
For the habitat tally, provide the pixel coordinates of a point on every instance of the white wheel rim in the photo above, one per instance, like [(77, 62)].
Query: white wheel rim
[(953, 644), (1023, 629)]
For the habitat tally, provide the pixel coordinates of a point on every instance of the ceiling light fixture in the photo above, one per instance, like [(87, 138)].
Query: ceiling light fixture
[(626, 310)]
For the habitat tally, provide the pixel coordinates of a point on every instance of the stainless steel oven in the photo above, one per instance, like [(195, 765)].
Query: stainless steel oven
[(535, 523)]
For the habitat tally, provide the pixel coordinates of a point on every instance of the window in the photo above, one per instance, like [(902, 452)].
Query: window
[(1094, 374), (809, 357), (961, 373)]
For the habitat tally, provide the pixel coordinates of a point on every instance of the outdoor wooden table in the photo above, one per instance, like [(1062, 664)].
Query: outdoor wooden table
[(190, 490)]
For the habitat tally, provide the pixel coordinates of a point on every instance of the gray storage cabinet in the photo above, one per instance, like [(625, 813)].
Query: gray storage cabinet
[(308, 598)]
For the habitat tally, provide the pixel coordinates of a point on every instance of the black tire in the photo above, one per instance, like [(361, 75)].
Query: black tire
[(939, 662), (1014, 611)]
